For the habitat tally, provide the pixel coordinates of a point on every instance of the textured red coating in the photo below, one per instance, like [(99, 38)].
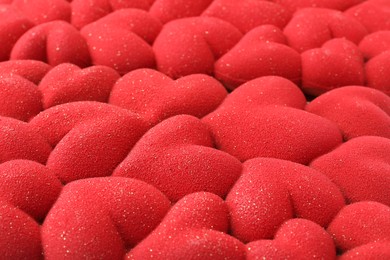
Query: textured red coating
[(316, 240), (114, 213), (54, 123), (192, 45), (87, 11), (30, 186), (370, 110), (180, 160), (337, 63), (360, 223), (194, 244), (295, 239), (248, 14), (199, 210), (360, 168), (12, 25), (357, 111), (121, 40), (43, 11), (311, 27), (68, 83), (377, 72), (260, 52), (18, 140), (364, 14), (136, 21), (94, 148), (168, 10), (375, 250), (196, 211), (271, 191), (54, 43), (157, 97), (375, 43), (19, 97), (20, 234), (258, 205), (268, 90), (267, 249), (32, 70), (271, 131), (294, 5)]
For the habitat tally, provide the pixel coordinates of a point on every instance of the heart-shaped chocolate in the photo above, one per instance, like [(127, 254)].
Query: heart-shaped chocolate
[(85, 12), (192, 45), (197, 223), (12, 25), (67, 83), (359, 111), (114, 214), (156, 97), (310, 28), (20, 98), (122, 39), (295, 239), (94, 148), (271, 191), (337, 63), (272, 131), (42, 11), (260, 52), (360, 223), (19, 140), (248, 14), (54, 123), (180, 160), (54, 43), (360, 168), (30, 186)]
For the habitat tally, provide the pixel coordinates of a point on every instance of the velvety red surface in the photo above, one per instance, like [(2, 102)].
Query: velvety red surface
[(210, 129)]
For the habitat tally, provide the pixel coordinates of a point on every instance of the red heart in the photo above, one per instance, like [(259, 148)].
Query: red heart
[(168, 10), (180, 160), (18, 140), (30, 186), (12, 26), (359, 111), (94, 148), (311, 27), (360, 223), (360, 168), (54, 43), (32, 70), (85, 12), (54, 123), (197, 223), (192, 45), (261, 52), (295, 239), (122, 39), (101, 218), (271, 191), (337, 63), (248, 14), (157, 97), (67, 83), (21, 99)]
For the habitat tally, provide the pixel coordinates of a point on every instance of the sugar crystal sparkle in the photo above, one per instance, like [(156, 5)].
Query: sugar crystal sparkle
[(209, 129)]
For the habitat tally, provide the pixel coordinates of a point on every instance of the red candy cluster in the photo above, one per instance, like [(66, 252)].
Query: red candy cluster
[(210, 129)]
